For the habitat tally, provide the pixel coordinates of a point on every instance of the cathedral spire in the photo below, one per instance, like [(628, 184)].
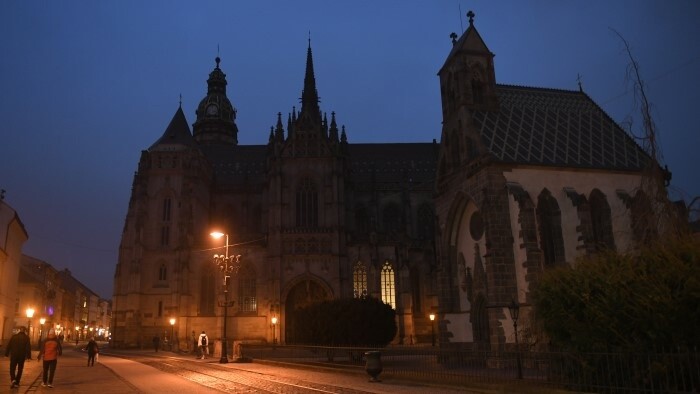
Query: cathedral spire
[(309, 96)]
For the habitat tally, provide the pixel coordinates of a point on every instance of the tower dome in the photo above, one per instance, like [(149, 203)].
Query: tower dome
[(216, 117)]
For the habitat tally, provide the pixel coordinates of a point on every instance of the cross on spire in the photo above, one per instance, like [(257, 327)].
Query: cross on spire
[(471, 15)]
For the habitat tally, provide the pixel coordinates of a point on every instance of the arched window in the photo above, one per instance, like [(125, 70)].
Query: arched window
[(307, 204), (163, 272), (388, 285), (247, 292), (601, 221), (359, 280), (480, 320), (549, 223)]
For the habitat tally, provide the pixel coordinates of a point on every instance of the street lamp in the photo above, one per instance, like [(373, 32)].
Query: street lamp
[(172, 332), (432, 326), (228, 265), (30, 314), (514, 309), (41, 327), (274, 330)]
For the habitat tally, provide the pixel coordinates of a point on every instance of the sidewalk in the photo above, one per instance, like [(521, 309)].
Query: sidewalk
[(105, 377)]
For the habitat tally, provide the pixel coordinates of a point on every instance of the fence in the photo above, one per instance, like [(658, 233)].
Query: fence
[(676, 371)]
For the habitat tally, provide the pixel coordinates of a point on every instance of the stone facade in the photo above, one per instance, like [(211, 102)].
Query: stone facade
[(523, 179), (311, 215), (12, 236), (527, 179)]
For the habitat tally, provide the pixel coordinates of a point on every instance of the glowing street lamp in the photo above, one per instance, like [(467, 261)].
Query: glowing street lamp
[(172, 332), (432, 326), (228, 265), (274, 330), (41, 327)]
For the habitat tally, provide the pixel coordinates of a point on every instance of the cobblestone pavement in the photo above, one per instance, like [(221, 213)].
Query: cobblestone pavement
[(134, 371)]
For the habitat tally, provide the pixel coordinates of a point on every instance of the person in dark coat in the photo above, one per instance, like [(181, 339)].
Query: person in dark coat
[(92, 350), (18, 349)]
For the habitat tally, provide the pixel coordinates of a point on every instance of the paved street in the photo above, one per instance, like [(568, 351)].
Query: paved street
[(150, 372)]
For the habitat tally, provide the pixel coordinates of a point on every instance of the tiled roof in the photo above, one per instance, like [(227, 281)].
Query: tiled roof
[(555, 127)]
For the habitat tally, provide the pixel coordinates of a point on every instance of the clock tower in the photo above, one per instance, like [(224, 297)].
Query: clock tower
[(216, 117)]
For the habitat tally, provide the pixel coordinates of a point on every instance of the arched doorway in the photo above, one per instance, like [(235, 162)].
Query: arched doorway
[(303, 294)]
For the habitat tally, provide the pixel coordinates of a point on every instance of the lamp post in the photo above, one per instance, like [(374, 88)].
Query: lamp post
[(432, 326), (172, 332), (274, 331), (30, 314), (514, 309), (41, 327), (228, 265)]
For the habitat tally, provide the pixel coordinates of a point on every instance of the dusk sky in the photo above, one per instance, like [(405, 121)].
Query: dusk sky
[(85, 86)]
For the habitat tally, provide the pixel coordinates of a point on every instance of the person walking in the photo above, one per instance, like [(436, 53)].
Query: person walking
[(18, 349), (156, 342), (203, 343), (92, 350), (49, 350)]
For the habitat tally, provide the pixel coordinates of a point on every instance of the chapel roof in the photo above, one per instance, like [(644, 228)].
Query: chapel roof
[(557, 128)]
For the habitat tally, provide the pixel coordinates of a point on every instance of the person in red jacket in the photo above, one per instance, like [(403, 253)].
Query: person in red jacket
[(19, 349), (50, 350)]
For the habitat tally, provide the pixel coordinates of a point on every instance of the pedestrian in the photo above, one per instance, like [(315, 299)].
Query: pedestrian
[(156, 342), (203, 344), (195, 346), (18, 349), (92, 350), (49, 350)]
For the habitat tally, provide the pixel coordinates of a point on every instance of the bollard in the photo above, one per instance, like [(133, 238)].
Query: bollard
[(374, 365)]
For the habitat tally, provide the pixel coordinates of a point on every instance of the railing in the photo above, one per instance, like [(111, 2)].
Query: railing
[(675, 371)]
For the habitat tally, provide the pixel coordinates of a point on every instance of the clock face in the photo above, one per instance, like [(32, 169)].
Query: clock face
[(212, 110)]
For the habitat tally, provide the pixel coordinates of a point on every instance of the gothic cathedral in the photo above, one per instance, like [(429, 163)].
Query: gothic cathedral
[(523, 179)]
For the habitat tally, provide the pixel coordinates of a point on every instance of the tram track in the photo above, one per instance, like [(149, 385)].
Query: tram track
[(231, 379)]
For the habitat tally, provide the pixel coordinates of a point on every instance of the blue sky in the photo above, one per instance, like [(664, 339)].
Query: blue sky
[(86, 85)]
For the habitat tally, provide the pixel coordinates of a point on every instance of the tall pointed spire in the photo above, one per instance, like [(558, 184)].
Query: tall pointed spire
[(309, 96)]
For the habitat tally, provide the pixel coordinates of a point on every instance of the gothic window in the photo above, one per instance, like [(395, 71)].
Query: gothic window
[(162, 272), (391, 218), (388, 285), (426, 223), (206, 293), (247, 297), (359, 280), (307, 204), (601, 221), (480, 320), (549, 221), (166, 209)]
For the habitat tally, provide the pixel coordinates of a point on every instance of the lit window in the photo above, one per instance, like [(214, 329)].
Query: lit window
[(388, 290), (247, 300), (359, 280)]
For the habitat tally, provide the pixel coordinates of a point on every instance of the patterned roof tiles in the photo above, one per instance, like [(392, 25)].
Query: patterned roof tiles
[(555, 127)]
